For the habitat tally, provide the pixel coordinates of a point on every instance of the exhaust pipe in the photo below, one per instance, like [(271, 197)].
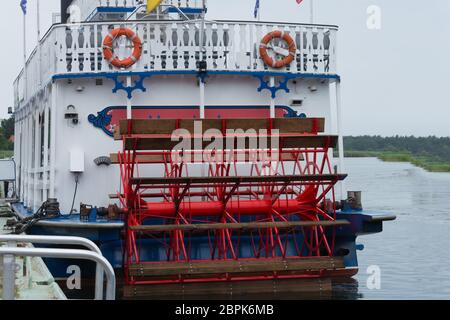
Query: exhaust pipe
[(65, 4)]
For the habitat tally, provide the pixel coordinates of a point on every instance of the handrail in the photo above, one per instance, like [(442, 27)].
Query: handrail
[(178, 10), (64, 254), (136, 11), (99, 273), (52, 240)]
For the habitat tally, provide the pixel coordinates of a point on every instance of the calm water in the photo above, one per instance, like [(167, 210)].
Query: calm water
[(413, 252)]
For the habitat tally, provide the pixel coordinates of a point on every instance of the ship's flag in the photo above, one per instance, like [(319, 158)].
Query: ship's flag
[(299, 1), (23, 5), (257, 9), (152, 5)]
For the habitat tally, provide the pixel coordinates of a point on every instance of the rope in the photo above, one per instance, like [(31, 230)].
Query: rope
[(48, 210)]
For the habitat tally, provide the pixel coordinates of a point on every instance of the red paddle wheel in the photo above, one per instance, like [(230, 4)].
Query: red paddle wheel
[(233, 212)]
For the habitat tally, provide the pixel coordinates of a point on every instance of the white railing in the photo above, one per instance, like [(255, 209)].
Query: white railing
[(174, 46)]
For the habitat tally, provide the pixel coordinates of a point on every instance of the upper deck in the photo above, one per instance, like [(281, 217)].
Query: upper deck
[(88, 10), (171, 47)]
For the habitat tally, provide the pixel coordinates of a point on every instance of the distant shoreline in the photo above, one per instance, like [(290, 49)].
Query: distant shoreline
[(427, 163), (430, 153)]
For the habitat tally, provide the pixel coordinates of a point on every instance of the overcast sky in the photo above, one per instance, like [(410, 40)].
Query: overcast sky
[(395, 80)]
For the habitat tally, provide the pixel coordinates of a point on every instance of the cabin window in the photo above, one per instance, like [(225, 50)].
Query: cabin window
[(33, 143), (42, 125), (49, 130), (20, 149)]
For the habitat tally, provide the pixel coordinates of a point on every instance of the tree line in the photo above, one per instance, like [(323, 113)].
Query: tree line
[(6, 132), (434, 147)]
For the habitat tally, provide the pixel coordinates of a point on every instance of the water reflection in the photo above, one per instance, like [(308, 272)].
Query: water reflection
[(346, 289), (292, 289)]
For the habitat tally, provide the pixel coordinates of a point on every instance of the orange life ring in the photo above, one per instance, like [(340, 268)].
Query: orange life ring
[(108, 52), (263, 48)]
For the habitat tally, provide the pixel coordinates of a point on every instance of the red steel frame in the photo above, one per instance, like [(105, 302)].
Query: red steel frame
[(203, 203)]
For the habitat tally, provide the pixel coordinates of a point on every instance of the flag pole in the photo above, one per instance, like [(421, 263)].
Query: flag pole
[(38, 21), (311, 18), (202, 60), (24, 40), (24, 55), (259, 11)]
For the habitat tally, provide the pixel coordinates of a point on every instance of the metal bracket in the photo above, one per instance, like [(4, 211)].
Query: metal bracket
[(202, 76), (265, 85), (120, 85)]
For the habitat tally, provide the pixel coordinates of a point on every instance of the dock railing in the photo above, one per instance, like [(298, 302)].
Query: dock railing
[(92, 253)]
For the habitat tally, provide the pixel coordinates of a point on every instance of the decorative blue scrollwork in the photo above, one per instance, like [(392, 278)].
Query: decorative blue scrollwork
[(120, 85), (291, 113), (265, 85), (102, 121)]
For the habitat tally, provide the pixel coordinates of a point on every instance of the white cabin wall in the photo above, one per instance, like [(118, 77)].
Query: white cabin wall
[(96, 183)]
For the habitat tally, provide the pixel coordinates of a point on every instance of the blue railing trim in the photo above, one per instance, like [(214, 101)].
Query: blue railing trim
[(195, 72)]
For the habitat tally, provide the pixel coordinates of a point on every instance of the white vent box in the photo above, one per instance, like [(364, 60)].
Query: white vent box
[(76, 161)]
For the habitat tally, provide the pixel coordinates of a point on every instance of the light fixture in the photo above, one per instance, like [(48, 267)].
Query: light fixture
[(72, 115)]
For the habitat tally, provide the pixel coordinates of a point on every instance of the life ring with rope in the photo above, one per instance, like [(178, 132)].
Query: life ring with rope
[(108, 51), (289, 54)]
